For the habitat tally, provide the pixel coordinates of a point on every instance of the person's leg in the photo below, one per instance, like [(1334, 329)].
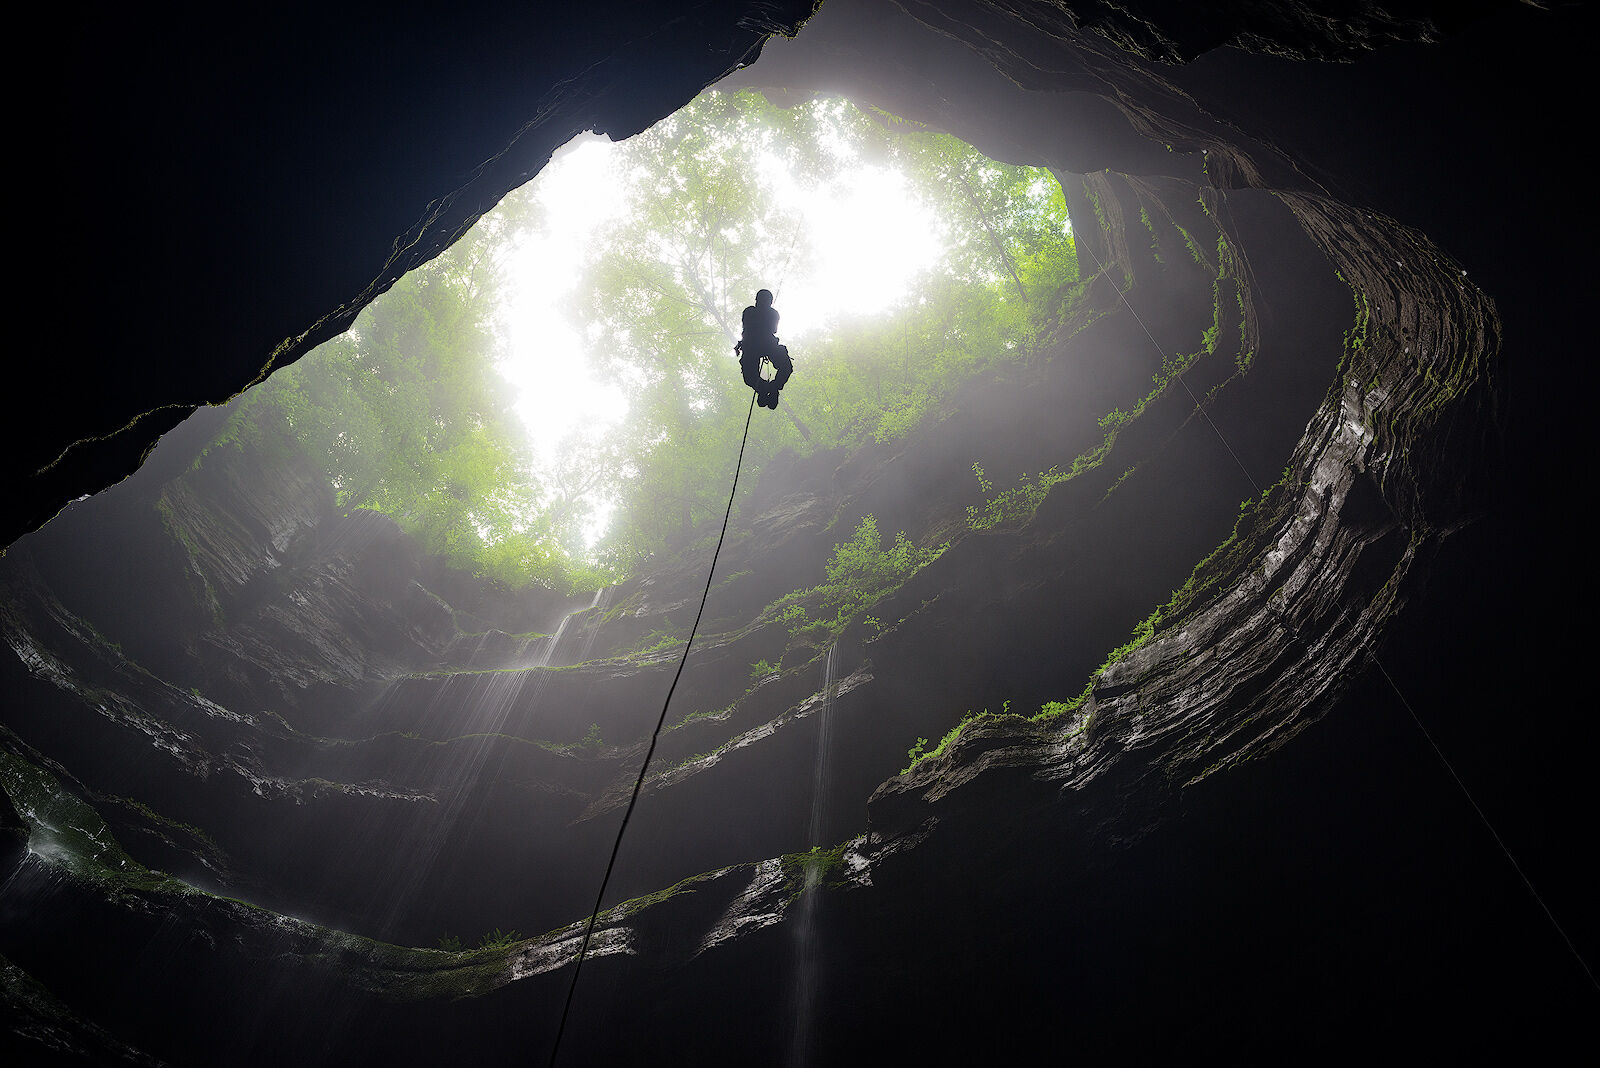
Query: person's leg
[(750, 367), (783, 365)]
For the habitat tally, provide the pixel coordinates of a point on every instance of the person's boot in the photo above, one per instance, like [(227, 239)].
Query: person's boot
[(772, 399)]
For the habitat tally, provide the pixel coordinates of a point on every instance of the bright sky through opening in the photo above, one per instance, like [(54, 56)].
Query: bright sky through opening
[(870, 237)]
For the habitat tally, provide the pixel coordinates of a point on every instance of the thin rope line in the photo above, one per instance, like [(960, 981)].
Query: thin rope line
[(616, 847), (1379, 664), (1162, 353), (1551, 916)]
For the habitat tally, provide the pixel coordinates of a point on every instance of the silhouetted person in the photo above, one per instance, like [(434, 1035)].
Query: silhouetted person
[(760, 341)]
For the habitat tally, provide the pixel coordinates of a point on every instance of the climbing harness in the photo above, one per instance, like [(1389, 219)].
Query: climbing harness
[(594, 914), (1295, 635)]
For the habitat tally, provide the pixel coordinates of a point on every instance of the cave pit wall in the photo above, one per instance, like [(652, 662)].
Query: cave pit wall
[(1278, 622)]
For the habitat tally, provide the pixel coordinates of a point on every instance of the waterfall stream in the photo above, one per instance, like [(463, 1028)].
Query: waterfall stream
[(475, 708), (806, 964)]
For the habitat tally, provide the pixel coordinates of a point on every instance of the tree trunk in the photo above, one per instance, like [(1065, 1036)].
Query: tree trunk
[(994, 239)]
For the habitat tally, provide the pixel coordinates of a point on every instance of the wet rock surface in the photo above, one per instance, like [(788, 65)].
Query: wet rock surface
[(307, 716)]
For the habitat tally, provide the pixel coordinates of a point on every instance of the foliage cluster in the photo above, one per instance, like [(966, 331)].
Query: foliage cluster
[(495, 939), (665, 285), (658, 640), (1018, 503), (406, 415), (815, 868), (860, 573)]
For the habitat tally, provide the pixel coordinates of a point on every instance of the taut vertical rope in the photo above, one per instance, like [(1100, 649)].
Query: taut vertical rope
[(616, 847)]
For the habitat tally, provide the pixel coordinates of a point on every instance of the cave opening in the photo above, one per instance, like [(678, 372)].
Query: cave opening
[(606, 296), (933, 756)]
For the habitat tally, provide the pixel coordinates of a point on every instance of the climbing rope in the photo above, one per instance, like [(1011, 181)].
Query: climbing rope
[(1537, 897), (655, 735)]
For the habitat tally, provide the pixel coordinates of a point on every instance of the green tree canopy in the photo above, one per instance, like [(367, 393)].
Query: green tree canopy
[(707, 227), (408, 416)]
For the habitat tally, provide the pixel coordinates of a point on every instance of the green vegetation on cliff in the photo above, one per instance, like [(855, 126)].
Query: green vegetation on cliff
[(1257, 515), (860, 573)]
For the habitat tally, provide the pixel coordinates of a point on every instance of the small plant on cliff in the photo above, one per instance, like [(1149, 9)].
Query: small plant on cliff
[(1016, 504), (916, 752), (498, 939), (814, 868), (860, 574), (657, 641)]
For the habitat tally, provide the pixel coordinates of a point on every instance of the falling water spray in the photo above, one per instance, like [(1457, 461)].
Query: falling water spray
[(477, 706), (805, 955)]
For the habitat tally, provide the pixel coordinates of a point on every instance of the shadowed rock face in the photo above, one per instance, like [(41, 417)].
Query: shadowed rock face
[(278, 703)]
